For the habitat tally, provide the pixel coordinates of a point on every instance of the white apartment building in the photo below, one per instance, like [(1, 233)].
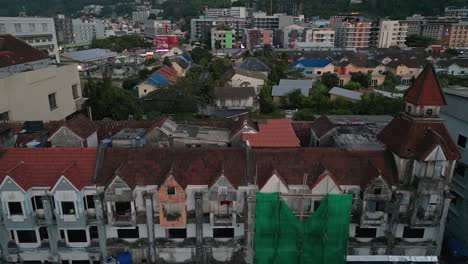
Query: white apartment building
[(85, 30), (32, 87), (140, 16), (320, 35), (157, 27), (38, 32), (392, 33), (456, 11), (235, 11)]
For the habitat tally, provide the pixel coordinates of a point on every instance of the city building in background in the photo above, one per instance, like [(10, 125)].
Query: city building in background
[(352, 34), (454, 11), (154, 27), (64, 28), (392, 33), (85, 30)]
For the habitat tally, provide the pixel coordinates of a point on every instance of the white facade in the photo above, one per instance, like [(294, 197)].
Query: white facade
[(392, 33), (25, 95), (85, 31), (320, 35), (37, 32), (235, 11), (140, 16), (157, 27), (244, 103), (456, 11)]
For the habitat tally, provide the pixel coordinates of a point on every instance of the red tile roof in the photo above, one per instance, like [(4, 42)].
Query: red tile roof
[(168, 72), (14, 51), (110, 128), (302, 131), (426, 89), (42, 167), (80, 125), (413, 138), (347, 167), (322, 126), (273, 133), (189, 166)]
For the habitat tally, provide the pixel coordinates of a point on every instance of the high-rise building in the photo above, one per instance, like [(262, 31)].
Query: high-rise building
[(201, 27), (37, 32), (451, 33), (235, 11), (454, 11), (64, 28), (320, 35), (140, 16), (261, 20), (392, 33), (155, 27), (352, 34), (288, 36), (415, 23), (258, 38), (85, 30)]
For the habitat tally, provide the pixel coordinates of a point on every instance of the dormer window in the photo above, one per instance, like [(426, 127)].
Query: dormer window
[(15, 208), (430, 112), (170, 190), (68, 208)]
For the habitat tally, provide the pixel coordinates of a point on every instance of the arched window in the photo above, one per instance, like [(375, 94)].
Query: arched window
[(429, 112)]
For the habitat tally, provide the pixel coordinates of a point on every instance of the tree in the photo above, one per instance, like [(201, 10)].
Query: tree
[(353, 86), (217, 44), (451, 51), (201, 56), (219, 66), (420, 41), (295, 99), (305, 114), (144, 73), (169, 101), (152, 16), (391, 80), (167, 62), (129, 83), (361, 78), (266, 101), (330, 79)]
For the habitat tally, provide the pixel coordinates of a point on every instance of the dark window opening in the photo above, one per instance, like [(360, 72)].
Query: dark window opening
[(4, 116), (68, 208), (316, 205), (75, 91), (36, 202), (31, 262), (15, 208), (80, 262), (65, 262), (62, 234), (52, 102), (223, 232), (460, 169), (93, 232), (43, 234), (170, 190), (378, 191), (413, 232), (366, 232), (12, 235), (26, 236), (77, 236), (461, 141), (177, 233), (128, 233), (122, 208), (89, 202)]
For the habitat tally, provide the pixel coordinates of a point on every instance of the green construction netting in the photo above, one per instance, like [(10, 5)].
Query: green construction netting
[(280, 237)]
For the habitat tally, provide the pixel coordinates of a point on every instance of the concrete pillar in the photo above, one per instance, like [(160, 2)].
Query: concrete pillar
[(51, 227), (150, 226), (100, 225), (4, 238), (251, 227), (443, 221), (199, 225)]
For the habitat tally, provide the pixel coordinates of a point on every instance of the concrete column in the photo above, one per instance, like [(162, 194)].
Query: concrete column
[(100, 225), (4, 238), (52, 230), (443, 221), (150, 226), (251, 227), (199, 225)]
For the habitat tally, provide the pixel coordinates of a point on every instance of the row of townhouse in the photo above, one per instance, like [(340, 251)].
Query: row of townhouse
[(198, 205)]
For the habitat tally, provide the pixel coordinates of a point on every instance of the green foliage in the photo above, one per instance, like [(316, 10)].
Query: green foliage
[(152, 16), (143, 73), (361, 78), (448, 80), (167, 62), (169, 101), (219, 66), (374, 104), (107, 100), (420, 41), (391, 80), (295, 99), (330, 79), (451, 51), (266, 101), (353, 86), (201, 56), (120, 44), (124, 9), (129, 83), (305, 114)]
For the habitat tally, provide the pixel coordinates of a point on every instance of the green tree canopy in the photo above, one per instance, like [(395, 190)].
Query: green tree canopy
[(420, 41), (201, 56), (330, 79)]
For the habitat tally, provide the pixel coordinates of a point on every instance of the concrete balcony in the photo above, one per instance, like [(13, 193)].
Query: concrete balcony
[(377, 218), (223, 219)]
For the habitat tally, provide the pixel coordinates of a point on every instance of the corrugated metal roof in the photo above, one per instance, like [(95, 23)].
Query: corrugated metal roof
[(90, 55), (346, 93)]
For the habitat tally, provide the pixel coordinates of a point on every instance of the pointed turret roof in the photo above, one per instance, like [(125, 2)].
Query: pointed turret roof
[(426, 89)]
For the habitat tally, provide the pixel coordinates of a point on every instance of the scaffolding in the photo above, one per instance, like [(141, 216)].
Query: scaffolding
[(280, 237)]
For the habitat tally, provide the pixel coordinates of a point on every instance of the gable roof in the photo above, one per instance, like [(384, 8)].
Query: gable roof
[(286, 86), (108, 128), (181, 62), (273, 133), (322, 126), (460, 62), (80, 125), (311, 63), (42, 167), (157, 80), (189, 166), (420, 137), (14, 51), (426, 89), (235, 92), (254, 64), (168, 72)]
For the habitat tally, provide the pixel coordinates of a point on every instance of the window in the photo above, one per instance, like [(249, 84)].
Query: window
[(52, 102), (460, 169), (32, 27), (366, 232), (43, 233), (26, 236), (18, 27), (413, 232), (429, 112), (378, 191), (45, 27), (122, 208), (68, 208), (223, 232), (170, 190), (15, 208), (89, 202), (62, 234), (2, 28), (316, 205), (461, 142), (77, 236), (4, 116), (36, 202), (128, 233), (93, 232), (177, 233), (75, 91)]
